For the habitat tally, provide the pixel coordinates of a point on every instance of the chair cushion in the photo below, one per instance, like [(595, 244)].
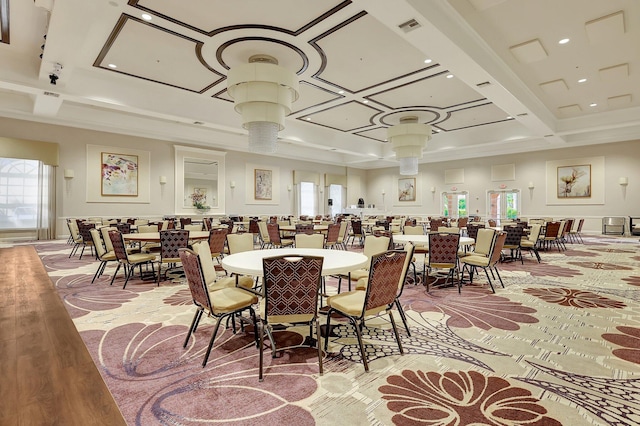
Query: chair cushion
[(350, 303), (476, 260), (229, 282), (359, 274), (141, 257), (362, 283), (231, 299)]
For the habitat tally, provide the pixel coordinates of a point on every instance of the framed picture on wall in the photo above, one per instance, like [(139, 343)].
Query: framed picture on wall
[(263, 179), (119, 174), (407, 189), (574, 181)]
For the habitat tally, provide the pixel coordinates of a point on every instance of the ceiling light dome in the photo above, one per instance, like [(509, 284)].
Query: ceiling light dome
[(263, 93), (408, 139)]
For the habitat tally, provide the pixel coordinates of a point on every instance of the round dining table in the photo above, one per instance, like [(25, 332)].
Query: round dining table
[(335, 261)]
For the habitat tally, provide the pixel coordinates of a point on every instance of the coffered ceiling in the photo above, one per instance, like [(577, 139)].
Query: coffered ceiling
[(489, 76)]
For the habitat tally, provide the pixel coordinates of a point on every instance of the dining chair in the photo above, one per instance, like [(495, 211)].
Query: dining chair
[(101, 253), (362, 283), (265, 241), (129, 260), (333, 233), (531, 242), (170, 241), (83, 230), (76, 238), (309, 241), (372, 245), (217, 242), (512, 242), (551, 234), (385, 272), (304, 228), (274, 236), (356, 232), (487, 263), (577, 233), (343, 233), (291, 286), (214, 281), (443, 254), (221, 304)]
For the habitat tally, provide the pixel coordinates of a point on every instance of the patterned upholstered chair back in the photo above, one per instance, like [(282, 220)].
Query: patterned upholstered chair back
[(217, 238), (185, 221), (170, 241), (274, 233), (304, 228), (333, 232), (513, 237), (193, 271), (385, 273), (434, 224), (291, 285), (443, 249), (462, 222), (118, 245), (551, 230), (472, 230), (124, 227), (207, 223), (83, 229), (253, 226)]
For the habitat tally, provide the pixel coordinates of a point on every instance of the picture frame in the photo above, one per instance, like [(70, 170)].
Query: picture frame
[(118, 174), (407, 189), (263, 184), (574, 181)]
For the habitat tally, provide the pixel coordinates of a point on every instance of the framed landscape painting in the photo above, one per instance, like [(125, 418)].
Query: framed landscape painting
[(119, 174), (263, 184), (574, 181)]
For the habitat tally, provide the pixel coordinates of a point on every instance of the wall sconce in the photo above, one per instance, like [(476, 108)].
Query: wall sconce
[(531, 185), (289, 188), (383, 192), (163, 180), (624, 181), (232, 184), (433, 189), (69, 174)]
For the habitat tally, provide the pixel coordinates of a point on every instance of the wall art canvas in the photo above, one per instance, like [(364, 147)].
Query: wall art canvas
[(574, 181), (263, 184), (119, 175), (407, 189)]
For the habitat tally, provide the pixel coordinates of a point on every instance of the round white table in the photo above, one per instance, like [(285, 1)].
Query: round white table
[(424, 239), (335, 261)]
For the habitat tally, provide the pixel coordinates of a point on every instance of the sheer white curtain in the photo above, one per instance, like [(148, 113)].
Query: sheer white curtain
[(46, 207)]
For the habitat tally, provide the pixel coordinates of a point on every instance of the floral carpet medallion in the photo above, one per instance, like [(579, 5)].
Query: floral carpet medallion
[(559, 344)]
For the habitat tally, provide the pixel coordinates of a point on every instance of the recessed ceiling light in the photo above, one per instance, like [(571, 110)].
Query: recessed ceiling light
[(114, 66), (564, 41), (341, 92), (582, 80), (593, 104), (365, 101), (509, 117), (146, 16), (308, 118), (449, 75), (427, 61)]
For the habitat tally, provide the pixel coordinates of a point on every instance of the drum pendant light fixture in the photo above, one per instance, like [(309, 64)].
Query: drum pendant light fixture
[(263, 93), (408, 139)]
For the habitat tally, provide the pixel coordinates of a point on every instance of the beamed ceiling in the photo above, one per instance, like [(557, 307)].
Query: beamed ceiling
[(495, 81)]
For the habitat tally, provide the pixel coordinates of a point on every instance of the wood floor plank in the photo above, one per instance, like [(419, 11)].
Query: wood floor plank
[(48, 376)]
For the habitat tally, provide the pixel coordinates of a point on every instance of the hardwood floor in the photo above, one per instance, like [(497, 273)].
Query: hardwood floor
[(47, 375)]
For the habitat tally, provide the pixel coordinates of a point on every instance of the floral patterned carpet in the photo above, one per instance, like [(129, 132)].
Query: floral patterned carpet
[(559, 345)]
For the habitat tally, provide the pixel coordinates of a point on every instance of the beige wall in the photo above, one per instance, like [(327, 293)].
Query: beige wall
[(621, 159)]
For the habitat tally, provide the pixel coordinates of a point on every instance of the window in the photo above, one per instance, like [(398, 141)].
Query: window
[(503, 205), (335, 195), (19, 193), (454, 204), (307, 199)]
